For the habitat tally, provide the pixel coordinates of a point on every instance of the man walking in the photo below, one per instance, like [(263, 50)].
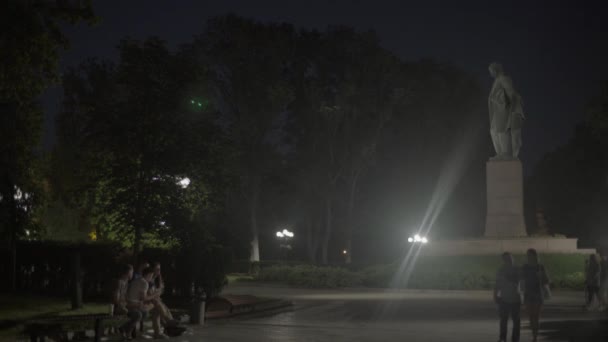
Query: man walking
[(508, 297), (604, 281)]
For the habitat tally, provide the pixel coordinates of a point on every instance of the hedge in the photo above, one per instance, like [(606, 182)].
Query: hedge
[(310, 276), (429, 272)]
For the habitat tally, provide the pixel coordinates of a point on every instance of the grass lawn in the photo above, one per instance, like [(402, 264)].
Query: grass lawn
[(18, 308)]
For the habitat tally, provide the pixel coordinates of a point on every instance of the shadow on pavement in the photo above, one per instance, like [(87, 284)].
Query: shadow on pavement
[(575, 330)]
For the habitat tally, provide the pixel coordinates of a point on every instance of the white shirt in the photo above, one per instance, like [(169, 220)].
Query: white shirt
[(137, 289)]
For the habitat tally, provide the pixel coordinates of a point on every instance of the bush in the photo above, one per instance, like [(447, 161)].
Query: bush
[(310, 276), (429, 272)]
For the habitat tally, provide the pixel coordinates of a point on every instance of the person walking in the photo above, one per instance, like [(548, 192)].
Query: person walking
[(604, 280), (592, 281), (507, 296), (536, 282)]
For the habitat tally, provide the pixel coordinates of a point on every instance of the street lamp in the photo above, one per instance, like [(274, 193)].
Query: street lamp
[(418, 239), (284, 237)]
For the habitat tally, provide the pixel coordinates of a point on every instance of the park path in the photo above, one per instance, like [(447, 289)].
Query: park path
[(399, 315)]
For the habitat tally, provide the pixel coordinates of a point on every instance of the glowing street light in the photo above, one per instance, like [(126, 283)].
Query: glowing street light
[(284, 237), (418, 239), (285, 234), (345, 252)]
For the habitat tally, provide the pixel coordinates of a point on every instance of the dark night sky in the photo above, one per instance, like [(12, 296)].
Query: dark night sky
[(555, 53)]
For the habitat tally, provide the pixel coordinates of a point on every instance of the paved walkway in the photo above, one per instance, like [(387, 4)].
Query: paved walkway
[(379, 315)]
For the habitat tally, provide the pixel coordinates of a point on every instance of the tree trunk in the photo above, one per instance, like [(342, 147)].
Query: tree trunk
[(138, 221), (255, 243), (309, 249), (76, 280), (349, 218), (13, 226), (312, 239), (12, 264), (327, 233)]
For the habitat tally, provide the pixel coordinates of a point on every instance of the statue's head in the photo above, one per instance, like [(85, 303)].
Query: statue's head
[(495, 69)]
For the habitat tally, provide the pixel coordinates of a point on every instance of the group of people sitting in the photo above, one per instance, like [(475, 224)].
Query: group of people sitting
[(138, 295)]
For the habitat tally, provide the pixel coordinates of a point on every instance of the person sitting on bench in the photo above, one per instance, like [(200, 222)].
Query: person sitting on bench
[(119, 299), (157, 286), (138, 298)]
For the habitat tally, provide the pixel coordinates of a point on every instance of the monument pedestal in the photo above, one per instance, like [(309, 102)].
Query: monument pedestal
[(505, 199), (505, 225), (543, 245)]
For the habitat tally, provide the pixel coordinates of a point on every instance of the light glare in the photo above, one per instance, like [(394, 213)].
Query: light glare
[(184, 182)]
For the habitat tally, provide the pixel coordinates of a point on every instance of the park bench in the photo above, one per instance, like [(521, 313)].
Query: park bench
[(58, 327), (231, 305), (241, 303)]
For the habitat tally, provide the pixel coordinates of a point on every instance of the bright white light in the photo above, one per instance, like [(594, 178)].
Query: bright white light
[(162, 223), (345, 252), (27, 232), (184, 182), (417, 238), (286, 233), (18, 194), (424, 240), (410, 240), (279, 234)]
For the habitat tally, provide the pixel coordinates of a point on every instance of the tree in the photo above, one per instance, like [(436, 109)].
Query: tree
[(346, 91), (143, 148), (570, 184), (30, 43), (249, 64)]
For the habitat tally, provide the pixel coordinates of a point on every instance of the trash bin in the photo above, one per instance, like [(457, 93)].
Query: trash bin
[(197, 311)]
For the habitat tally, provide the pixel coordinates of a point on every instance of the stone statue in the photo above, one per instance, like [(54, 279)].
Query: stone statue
[(506, 115)]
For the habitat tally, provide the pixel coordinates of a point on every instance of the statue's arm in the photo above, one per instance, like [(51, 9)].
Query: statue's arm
[(514, 97), (507, 85)]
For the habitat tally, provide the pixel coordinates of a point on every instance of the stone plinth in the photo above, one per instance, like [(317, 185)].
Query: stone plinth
[(505, 199), (498, 246)]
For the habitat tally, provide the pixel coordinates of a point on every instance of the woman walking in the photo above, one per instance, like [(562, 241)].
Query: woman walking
[(592, 280), (536, 282)]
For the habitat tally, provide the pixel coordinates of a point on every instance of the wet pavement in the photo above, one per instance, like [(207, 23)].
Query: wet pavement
[(380, 315)]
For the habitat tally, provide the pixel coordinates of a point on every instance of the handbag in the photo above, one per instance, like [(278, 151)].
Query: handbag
[(544, 284), (546, 290)]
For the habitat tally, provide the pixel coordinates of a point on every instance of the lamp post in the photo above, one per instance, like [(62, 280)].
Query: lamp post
[(417, 239), (284, 237)]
